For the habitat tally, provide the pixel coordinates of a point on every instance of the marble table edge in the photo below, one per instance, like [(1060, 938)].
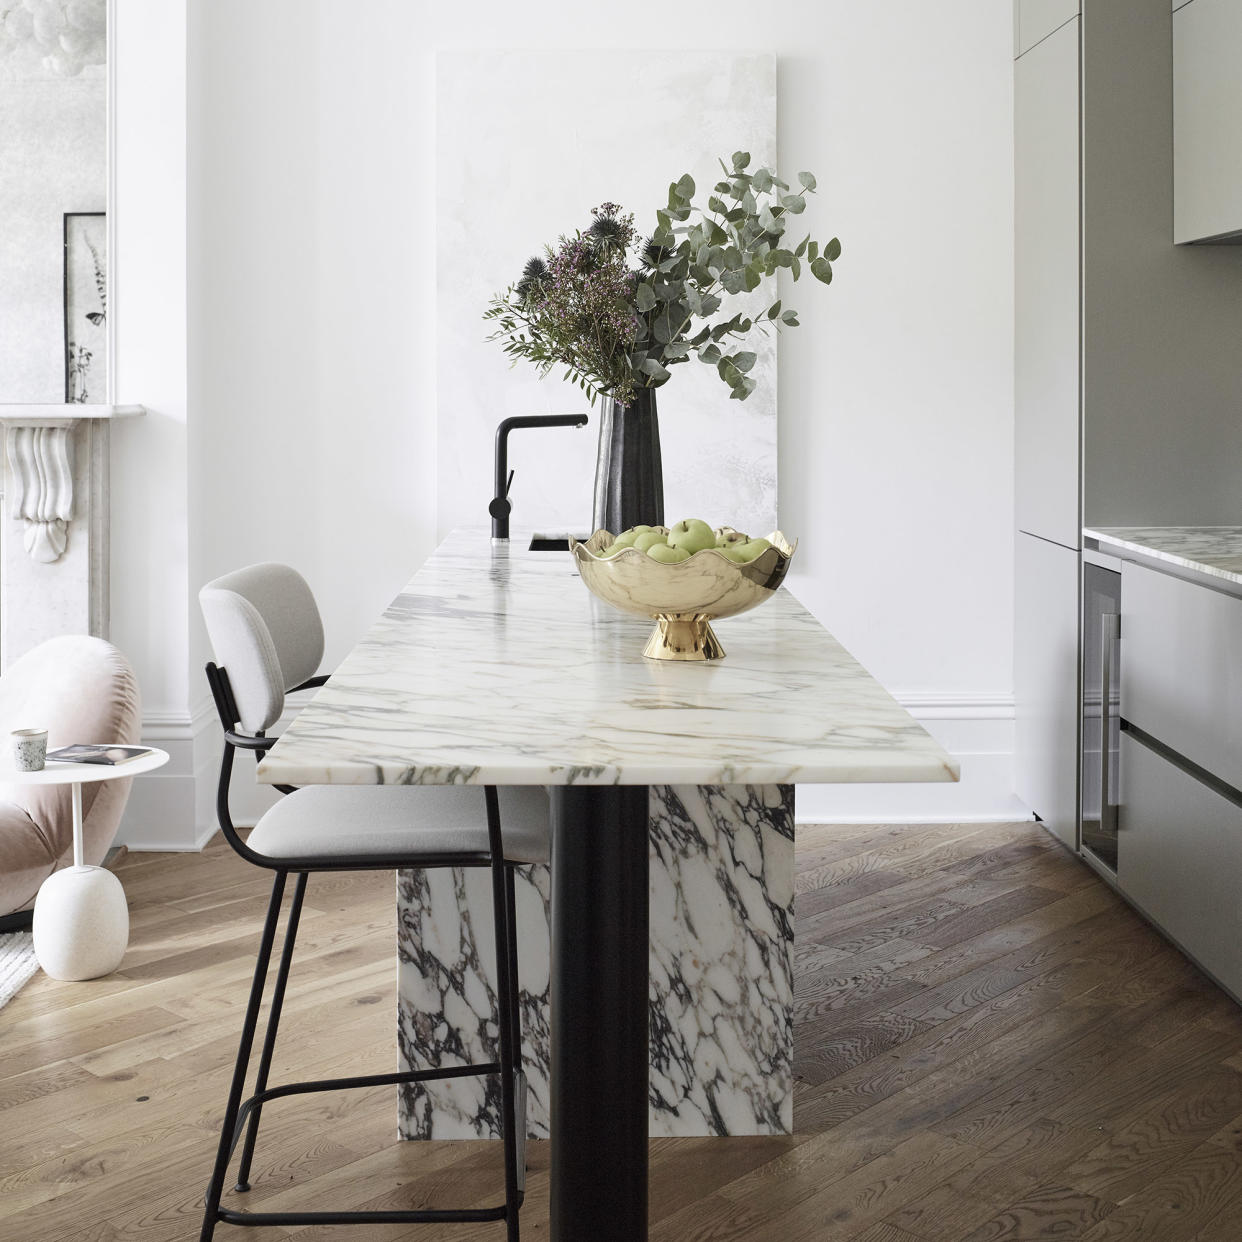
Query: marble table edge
[(901, 771)]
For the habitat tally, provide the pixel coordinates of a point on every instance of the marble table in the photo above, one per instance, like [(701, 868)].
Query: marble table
[(671, 796)]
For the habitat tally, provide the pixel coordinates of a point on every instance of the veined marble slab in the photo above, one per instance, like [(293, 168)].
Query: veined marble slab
[(497, 666), (721, 926), (1213, 551)]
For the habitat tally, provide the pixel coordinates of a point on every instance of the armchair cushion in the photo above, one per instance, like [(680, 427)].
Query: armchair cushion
[(81, 690)]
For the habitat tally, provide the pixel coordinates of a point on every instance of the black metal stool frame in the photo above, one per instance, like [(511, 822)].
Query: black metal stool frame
[(244, 1115)]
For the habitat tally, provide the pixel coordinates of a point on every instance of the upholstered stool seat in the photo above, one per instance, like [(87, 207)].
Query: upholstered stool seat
[(391, 821)]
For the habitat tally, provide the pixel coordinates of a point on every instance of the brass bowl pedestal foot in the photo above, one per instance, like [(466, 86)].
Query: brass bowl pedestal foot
[(689, 637)]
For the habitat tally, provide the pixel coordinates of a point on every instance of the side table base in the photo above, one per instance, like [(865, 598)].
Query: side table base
[(81, 923)]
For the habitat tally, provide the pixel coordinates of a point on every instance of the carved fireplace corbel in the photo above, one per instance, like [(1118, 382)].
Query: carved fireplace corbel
[(55, 576)]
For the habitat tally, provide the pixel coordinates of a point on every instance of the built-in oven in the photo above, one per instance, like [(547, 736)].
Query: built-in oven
[(1101, 718)]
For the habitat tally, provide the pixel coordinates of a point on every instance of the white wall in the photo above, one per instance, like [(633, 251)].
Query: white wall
[(53, 159), (150, 504), (314, 319)]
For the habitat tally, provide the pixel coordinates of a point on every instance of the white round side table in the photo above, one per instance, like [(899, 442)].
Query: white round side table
[(81, 921)]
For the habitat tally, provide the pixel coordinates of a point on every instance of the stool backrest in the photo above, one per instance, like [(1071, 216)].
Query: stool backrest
[(266, 634)]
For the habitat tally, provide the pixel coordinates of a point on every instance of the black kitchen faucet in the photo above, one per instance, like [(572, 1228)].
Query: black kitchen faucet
[(501, 506)]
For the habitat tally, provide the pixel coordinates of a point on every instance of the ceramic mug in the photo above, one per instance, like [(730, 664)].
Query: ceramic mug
[(29, 749)]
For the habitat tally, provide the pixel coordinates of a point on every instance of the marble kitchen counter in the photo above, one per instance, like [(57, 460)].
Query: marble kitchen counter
[(496, 666), (1203, 552)]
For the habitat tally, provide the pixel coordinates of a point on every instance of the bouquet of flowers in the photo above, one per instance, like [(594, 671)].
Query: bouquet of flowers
[(618, 310)]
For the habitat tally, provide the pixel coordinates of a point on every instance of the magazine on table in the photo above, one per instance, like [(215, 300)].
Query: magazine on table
[(108, 756)]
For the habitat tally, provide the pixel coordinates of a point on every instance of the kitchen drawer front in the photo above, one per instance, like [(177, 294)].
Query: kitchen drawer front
[(1180, 859), (1181, 668)]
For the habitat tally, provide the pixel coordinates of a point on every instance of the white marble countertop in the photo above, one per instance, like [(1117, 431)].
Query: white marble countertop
[(497, 666), (1214, 551)]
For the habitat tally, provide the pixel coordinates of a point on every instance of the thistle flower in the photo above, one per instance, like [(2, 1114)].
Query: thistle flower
[(653, 255), (535, 269), (533, 274)]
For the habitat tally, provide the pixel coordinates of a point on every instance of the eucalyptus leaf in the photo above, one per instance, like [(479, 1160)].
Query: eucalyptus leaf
[(742, 158), (821, 269), (651, 367), (833, 250), (744, 361), (774, 309), (685, 186), (710, 354), (793, 203), (761, 180), (808, 181), (644, 298)]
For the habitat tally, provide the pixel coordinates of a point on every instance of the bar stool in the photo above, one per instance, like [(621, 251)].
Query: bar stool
[(267, 638)]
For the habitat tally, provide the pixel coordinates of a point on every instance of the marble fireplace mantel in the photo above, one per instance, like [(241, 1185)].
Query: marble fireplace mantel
[(54, 547)]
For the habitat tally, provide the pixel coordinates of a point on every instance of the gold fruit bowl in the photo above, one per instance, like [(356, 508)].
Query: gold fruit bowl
[(683, 598)]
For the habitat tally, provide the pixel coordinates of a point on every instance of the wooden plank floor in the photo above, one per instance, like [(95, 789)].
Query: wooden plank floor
[(991, 1047)]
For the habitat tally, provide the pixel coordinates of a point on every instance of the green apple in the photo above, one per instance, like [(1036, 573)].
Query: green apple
[(729, 536), (733, 551), (749, 550), (692, 535), (667, 554), (648, 539), (612, 550), (624, 540)]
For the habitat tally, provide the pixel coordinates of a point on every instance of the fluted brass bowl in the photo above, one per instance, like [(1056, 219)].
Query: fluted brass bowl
[(683, 598)]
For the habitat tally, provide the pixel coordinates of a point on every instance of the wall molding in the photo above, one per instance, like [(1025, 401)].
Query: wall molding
[(976, 729)]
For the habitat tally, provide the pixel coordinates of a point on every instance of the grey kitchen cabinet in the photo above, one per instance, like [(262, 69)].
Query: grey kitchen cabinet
[(1046, 285), (1180, 857), (1207, 119), (1181, 668), (1034, 20), (1046, 682), (1127, 384)]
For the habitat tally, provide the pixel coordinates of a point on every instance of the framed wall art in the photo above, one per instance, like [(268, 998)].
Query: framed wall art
[(86, 307)]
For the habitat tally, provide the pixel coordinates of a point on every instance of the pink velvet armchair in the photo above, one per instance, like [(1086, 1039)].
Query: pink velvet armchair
[(81, 690)]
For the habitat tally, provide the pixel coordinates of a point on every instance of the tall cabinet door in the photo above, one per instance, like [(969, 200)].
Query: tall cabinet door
[(1047, 299), (1045, 677)]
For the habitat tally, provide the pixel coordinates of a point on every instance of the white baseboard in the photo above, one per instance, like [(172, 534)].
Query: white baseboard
[(977, 730), (165, 809)]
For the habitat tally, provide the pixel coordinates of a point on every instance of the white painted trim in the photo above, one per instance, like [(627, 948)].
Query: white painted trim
[(977, 730)]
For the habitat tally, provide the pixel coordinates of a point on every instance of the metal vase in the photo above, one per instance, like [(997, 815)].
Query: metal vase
[(629, 482)]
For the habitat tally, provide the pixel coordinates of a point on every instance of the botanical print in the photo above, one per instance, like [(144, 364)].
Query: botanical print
[(86, 307)]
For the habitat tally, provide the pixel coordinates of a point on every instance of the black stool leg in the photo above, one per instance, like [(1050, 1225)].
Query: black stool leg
[(227, 1130), (502, 911), (515, 992), (269, 1039)]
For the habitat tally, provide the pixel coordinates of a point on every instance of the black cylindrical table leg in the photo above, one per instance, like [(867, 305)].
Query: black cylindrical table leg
[(600, 984)]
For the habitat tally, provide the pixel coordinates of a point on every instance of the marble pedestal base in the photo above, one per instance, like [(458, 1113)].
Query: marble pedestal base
[(721, 929)]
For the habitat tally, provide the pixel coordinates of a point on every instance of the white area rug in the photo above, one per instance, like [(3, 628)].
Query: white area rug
[(17, 963)]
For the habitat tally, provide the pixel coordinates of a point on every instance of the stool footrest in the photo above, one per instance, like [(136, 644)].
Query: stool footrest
[(426, 1216), (361, 1080)]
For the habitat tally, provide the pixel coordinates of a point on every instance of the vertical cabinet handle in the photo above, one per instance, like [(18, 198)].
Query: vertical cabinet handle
[(1110, 632)]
